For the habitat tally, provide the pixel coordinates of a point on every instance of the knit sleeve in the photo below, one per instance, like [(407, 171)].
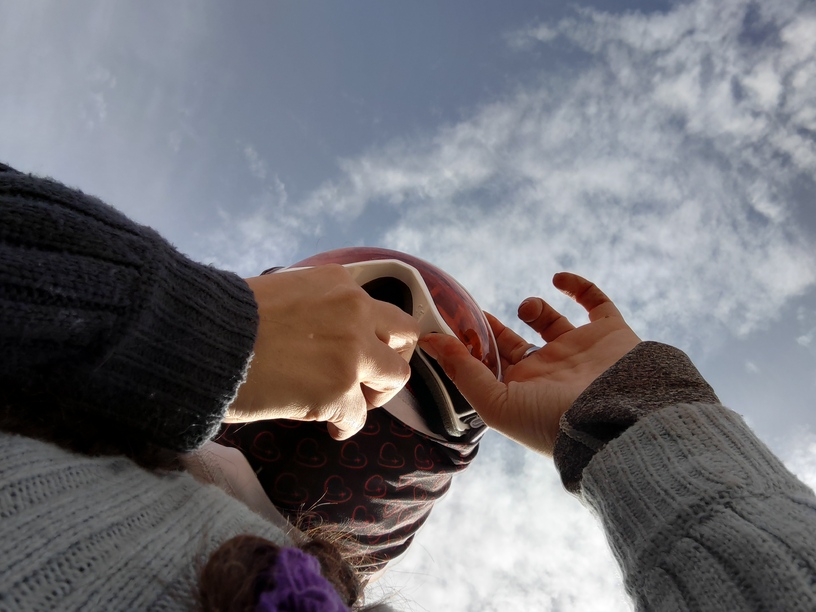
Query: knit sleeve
[(648, 378), (702, 516), (106, 320)]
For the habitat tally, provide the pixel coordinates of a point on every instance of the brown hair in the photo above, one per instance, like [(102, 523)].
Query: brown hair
[(236, 574)]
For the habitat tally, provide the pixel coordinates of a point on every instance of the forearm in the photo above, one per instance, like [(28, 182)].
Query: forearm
[(106, 319), (700, 514)]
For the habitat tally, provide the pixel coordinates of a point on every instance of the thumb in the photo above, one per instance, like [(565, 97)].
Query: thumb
[(351, 421), (474, 379), (342, 430)]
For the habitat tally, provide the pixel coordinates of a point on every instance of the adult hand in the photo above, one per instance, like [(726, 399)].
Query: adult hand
[(536, 391), (325, 351)]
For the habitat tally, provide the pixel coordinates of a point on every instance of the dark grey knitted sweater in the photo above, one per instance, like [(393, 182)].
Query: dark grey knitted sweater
[(103, 317)]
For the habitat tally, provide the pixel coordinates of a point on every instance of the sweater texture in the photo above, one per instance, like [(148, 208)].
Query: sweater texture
[(105, 327), (101, 533), (702, 516), (648, 378), (698, 511), (105, 318)]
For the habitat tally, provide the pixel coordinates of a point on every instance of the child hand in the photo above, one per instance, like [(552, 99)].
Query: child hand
[(537, 388)]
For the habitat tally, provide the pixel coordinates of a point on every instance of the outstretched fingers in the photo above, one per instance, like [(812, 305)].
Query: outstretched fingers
[(544, 319), (512, 347), (587, 294)]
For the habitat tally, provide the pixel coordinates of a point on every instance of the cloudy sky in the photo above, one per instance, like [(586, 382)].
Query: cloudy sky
[(666, 150)]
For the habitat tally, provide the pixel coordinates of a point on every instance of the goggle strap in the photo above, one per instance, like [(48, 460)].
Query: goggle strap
[(443, 394)]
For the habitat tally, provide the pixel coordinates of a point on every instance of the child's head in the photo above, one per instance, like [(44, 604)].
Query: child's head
[(248, 569)]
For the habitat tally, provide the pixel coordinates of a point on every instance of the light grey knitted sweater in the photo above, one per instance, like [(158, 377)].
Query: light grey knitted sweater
[(702, 516), (85, 533)]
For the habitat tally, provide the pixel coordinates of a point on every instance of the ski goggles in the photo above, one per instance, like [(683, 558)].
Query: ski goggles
[(439, 304)]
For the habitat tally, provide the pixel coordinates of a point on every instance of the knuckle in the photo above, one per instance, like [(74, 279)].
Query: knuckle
[(400, 374), (406, 370), (352, 417), (336, 384), (588, 290), (359, 300), (408, 325), (520, 347), (355, 302), (446, 360), (334, 271)]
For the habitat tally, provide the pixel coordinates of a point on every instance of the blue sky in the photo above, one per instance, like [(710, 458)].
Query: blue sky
[(666, 150)]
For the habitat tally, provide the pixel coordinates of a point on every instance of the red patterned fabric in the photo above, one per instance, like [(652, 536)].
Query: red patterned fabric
[(378, 487)]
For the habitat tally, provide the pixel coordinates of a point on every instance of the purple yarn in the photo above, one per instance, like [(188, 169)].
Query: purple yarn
[(299, 586)]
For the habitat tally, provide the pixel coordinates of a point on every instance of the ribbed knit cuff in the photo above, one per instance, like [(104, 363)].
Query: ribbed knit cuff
[(188, 352), (108, 328), (693, 478), (648, 378)]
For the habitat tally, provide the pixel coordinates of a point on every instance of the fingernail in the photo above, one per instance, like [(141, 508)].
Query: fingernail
[(426, 346), (529, 310)]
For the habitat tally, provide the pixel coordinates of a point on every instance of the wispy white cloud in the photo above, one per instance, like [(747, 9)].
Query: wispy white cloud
[(801, 458), (807, 324), (257, 165), (660, 170), (526, 38), (248, 244), (95, 110), (508, 538), (90, 89)]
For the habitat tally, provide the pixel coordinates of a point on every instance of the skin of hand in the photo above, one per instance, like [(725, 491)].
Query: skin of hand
[(537, 390), (325, 351)]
